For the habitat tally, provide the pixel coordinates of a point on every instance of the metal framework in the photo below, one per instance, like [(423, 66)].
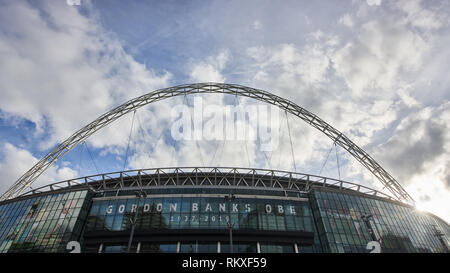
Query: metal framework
[(217, 177), (339, 138)]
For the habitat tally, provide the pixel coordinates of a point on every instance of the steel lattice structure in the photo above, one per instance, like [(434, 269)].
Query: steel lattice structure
[(217, 177), (339, 138)]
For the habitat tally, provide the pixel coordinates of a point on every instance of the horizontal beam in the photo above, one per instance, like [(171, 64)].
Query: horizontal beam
[(218, 177)]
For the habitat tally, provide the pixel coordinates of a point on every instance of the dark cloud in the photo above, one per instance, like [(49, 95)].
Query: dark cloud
[(446, 176), (406, 156)]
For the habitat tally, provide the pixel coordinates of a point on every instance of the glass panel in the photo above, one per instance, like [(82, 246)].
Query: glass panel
[(43, 224), (276, 248)]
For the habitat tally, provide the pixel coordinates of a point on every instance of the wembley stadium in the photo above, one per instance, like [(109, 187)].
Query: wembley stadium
[(212, 209)]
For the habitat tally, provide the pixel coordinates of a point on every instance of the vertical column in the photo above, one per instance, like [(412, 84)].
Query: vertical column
[(100, 248), (296, 248), (218, 247), (258, 248), (138, 247), (178, 247)]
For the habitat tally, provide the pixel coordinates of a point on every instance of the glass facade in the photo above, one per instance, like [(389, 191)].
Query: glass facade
[(348, 222), (43, 224), (158, 247), (276, 248), (199, 247), (339, 222), (239, 247)]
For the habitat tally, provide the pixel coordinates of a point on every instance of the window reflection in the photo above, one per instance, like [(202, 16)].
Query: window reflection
[(397, 228), (42, 224), (46, 223)]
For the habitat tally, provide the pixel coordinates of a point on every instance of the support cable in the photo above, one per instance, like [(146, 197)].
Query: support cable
[(172, 156), (92, 158), (267, 159), (223, 148), (270, 157), (214, 155), (237, 103), (196, 140), (258, 144), (290, 139), (326, 159), (215, 151), (280, 152), (81, 158), (142, 132), (337, 159), (152, 147), (129, 139)]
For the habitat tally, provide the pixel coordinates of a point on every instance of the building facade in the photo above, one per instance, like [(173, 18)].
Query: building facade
[(188, 210)]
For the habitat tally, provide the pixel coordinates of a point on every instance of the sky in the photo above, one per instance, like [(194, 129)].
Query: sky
[(376, 70)]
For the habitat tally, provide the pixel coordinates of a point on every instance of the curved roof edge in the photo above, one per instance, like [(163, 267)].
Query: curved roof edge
[(206, 176)]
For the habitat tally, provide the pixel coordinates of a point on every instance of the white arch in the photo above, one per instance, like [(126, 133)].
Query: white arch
[(340, 139)]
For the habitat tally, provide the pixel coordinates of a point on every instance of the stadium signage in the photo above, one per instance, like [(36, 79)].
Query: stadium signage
[(195, 207)]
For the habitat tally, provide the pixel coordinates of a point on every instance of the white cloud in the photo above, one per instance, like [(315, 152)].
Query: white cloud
[(61, 70), (17, 161), (407, 98), (210, 70), (346, 20), (289, 65), (381, 52), (304, 75), (419, 16), (383, 69), (157, 152), (373, 2), (257, 25)]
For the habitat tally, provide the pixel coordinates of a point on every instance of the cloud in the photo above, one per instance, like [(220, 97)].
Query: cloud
[(257, 25), (163, 150), (429, 183), (346, 20), (17, 161), (373, 2), (61, 70), (381, 53), (290, 67), (419, 141), (210, 70), (372, 88), (446, 176), (420, 17), (305, 75)]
